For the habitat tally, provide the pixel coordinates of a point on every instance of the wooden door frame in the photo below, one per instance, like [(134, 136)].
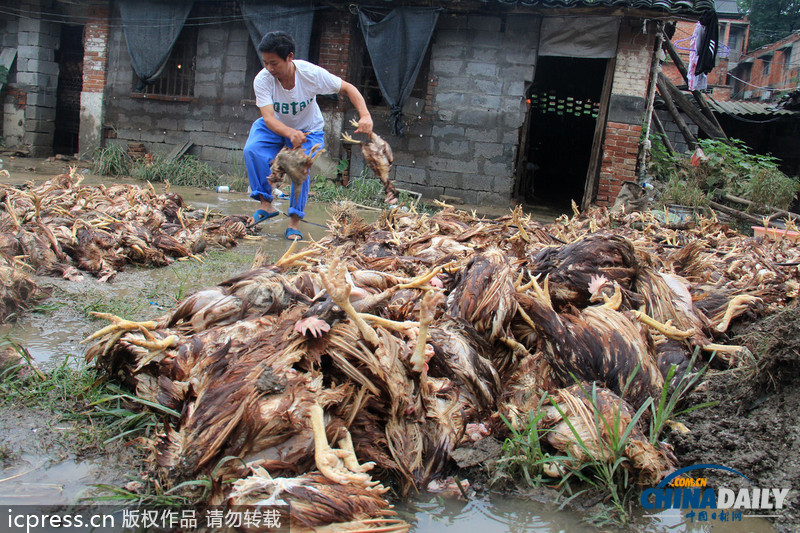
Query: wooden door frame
[(596, 156)]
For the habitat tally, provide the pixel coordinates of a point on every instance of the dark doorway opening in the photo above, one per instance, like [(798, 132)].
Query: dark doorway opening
[(564, 105), (69, 57)]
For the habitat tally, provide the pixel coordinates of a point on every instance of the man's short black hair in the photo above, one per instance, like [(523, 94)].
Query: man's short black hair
[(277, 42)]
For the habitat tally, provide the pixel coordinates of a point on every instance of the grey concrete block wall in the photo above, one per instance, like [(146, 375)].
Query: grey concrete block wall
[(35, 74), (673, 132), (216, 119), (482, 65), (463, 144)]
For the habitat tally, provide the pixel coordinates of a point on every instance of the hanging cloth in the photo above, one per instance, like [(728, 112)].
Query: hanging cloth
[(707, 46), (151, 29), (592, 37), (295, 18), (397, 46), (697, 82)]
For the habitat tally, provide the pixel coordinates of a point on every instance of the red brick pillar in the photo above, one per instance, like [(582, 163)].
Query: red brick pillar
[(334, 55), (626, 110), (620, 151), (95, 61), (334, 46)]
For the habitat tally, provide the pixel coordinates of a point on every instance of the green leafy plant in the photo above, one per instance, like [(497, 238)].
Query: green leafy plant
[(771, 188), (523, 456), (684, 192), (362, 190), (113, 160), (607, 468), (667, 407), (126, 415), (729, 167)]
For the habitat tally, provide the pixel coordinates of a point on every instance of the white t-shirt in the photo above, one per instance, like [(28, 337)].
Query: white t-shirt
[(297, 108)]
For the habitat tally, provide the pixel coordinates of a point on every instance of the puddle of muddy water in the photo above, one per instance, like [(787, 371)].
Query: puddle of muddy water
[(147, 293), (37, 479), (494, 513)]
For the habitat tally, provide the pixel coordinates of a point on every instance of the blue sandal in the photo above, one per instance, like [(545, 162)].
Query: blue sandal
[(260, 216), (292, 234)]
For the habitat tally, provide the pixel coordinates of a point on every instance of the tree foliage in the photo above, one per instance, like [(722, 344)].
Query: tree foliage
[(770, 20)]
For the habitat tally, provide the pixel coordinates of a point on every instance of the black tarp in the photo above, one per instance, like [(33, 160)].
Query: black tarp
[(295, 18), (151, 29), (397, 45)]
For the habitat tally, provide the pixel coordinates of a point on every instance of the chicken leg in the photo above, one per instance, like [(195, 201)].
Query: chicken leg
[(339, 290), (118, 325), (338, 465), (427, 312)]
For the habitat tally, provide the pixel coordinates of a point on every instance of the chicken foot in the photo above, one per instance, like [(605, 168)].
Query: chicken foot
[(427, 312), (338, 465), (118, 325), (153, 346), (667, 329), (735, 306), (339, 290)]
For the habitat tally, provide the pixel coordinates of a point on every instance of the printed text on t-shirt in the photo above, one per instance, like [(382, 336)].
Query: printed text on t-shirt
[(293, 107)]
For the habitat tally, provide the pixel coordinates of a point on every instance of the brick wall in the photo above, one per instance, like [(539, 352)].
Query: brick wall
[(620, 150), (626, 110), (334, 48), (634, 52), (95, 48), (782, 75), (95, 68)]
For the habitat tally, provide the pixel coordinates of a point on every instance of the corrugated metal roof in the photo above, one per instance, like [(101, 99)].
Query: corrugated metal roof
[(671, 6), (748, 109), (726, 7)]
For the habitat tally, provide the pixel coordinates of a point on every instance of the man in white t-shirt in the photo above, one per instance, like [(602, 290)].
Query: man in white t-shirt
[(286, 93)]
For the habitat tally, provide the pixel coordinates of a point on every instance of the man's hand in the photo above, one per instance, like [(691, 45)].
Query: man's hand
[(364, 125), (297, 138)]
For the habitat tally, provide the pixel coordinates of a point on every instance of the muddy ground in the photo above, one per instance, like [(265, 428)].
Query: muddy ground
[(755, 428)]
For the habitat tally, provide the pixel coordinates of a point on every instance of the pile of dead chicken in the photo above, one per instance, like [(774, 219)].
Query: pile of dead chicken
[(405, 339), (61, 227), (17, 290)]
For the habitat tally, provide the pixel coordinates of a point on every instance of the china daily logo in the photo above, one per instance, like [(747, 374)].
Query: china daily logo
[(692, 493)]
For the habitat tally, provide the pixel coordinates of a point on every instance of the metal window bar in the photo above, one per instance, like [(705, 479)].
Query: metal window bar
[(177, 78)]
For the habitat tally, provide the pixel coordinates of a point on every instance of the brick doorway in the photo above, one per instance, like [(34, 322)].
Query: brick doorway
[(69, 57), (564, 106)]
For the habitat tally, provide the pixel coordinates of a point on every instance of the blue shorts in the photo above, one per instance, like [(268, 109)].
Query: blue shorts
[(261, 148)]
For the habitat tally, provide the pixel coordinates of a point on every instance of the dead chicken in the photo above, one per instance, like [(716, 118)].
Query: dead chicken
[(317, 503), (17, 290), (598, 344), (484, 294), (586, 421), (295, 163), (461, 354), (378, 155), (570, 268)]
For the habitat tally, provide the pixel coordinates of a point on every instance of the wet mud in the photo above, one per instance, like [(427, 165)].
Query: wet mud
[(755, 428), (45, 458)]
